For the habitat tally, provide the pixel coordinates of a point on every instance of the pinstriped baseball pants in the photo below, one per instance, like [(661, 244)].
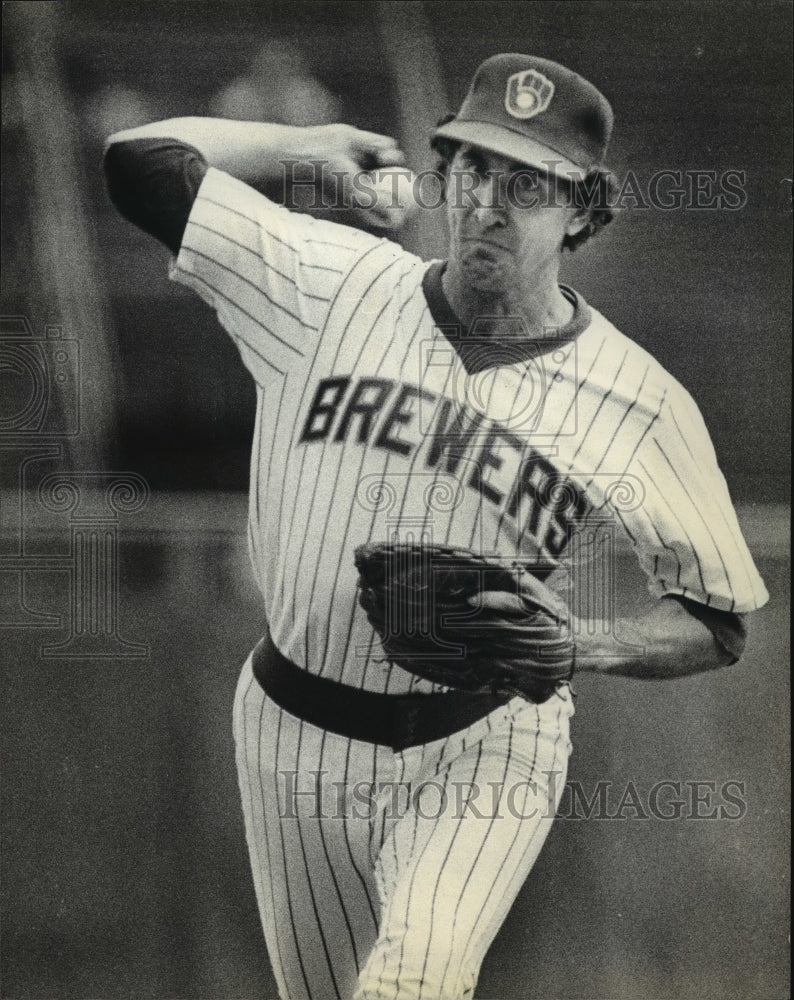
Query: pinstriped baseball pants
[(387, 875)]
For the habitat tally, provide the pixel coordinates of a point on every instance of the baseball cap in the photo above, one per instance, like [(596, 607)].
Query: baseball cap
[(535, 112)]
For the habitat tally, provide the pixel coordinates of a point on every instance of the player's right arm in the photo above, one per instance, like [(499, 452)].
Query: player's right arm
[(254, 152), (146, 166), (270, 274)]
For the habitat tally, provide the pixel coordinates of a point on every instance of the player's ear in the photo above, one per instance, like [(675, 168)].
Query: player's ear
[(577, 211)]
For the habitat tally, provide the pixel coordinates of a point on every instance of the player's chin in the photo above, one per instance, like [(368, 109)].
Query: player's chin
[(483, 272)]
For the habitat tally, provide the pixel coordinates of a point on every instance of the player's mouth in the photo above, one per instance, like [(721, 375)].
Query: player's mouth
[(484, 242), (483, 253)]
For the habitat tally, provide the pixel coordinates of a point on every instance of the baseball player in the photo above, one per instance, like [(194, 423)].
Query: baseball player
[(473, 402)]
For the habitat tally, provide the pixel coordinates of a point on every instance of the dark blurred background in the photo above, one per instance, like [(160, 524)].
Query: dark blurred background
[(124, 864)]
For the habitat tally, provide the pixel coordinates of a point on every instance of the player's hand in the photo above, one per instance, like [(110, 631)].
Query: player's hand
[(368, 170), (351, 149), (534, 596)]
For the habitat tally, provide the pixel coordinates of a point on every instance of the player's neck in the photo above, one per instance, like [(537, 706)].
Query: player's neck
[(543, 308)]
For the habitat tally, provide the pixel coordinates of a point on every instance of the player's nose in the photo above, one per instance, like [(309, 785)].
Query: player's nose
[(489, 207)]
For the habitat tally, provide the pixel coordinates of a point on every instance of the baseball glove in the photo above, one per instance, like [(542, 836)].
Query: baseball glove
[(464, 620)]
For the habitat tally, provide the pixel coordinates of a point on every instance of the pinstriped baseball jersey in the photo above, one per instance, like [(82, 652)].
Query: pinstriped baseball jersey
[(377, 418)]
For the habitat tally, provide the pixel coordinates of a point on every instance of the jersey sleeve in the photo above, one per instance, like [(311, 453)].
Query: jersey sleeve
[(685, 531), (271, 275)]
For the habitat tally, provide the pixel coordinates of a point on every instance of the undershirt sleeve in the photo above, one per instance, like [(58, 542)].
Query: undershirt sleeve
[(153, 183)]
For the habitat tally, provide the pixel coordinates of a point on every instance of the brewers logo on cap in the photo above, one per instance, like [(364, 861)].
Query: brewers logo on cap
[(536, 112), (528, 93)]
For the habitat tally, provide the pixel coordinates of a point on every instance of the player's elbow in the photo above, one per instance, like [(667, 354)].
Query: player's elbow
[(114, 139), (120, 176), (137, 190), (725, 657), (153, 183), (731, 641), (723, 634)]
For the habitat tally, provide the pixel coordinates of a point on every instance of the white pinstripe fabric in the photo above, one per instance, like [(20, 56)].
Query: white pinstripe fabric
[(313, 874), (307, 301), (447, 883), (370, 427), (412, 894)]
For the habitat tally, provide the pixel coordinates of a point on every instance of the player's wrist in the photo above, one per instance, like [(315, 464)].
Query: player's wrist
[(590, 652)]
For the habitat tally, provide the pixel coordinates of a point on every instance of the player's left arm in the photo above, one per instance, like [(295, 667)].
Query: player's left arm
[(689, 543), (675, 639)]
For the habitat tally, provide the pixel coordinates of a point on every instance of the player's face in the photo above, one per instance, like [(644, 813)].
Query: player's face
[(507, 221)]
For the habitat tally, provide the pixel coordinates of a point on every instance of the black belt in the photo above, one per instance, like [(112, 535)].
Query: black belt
[(395, 720)]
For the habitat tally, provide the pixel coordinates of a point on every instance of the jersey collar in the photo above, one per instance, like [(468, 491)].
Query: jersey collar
[(477, 356)]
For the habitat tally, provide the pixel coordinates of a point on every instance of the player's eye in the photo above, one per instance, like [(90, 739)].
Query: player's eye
[(525, 181), (468, 179), (465, 179), (471, 164)]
